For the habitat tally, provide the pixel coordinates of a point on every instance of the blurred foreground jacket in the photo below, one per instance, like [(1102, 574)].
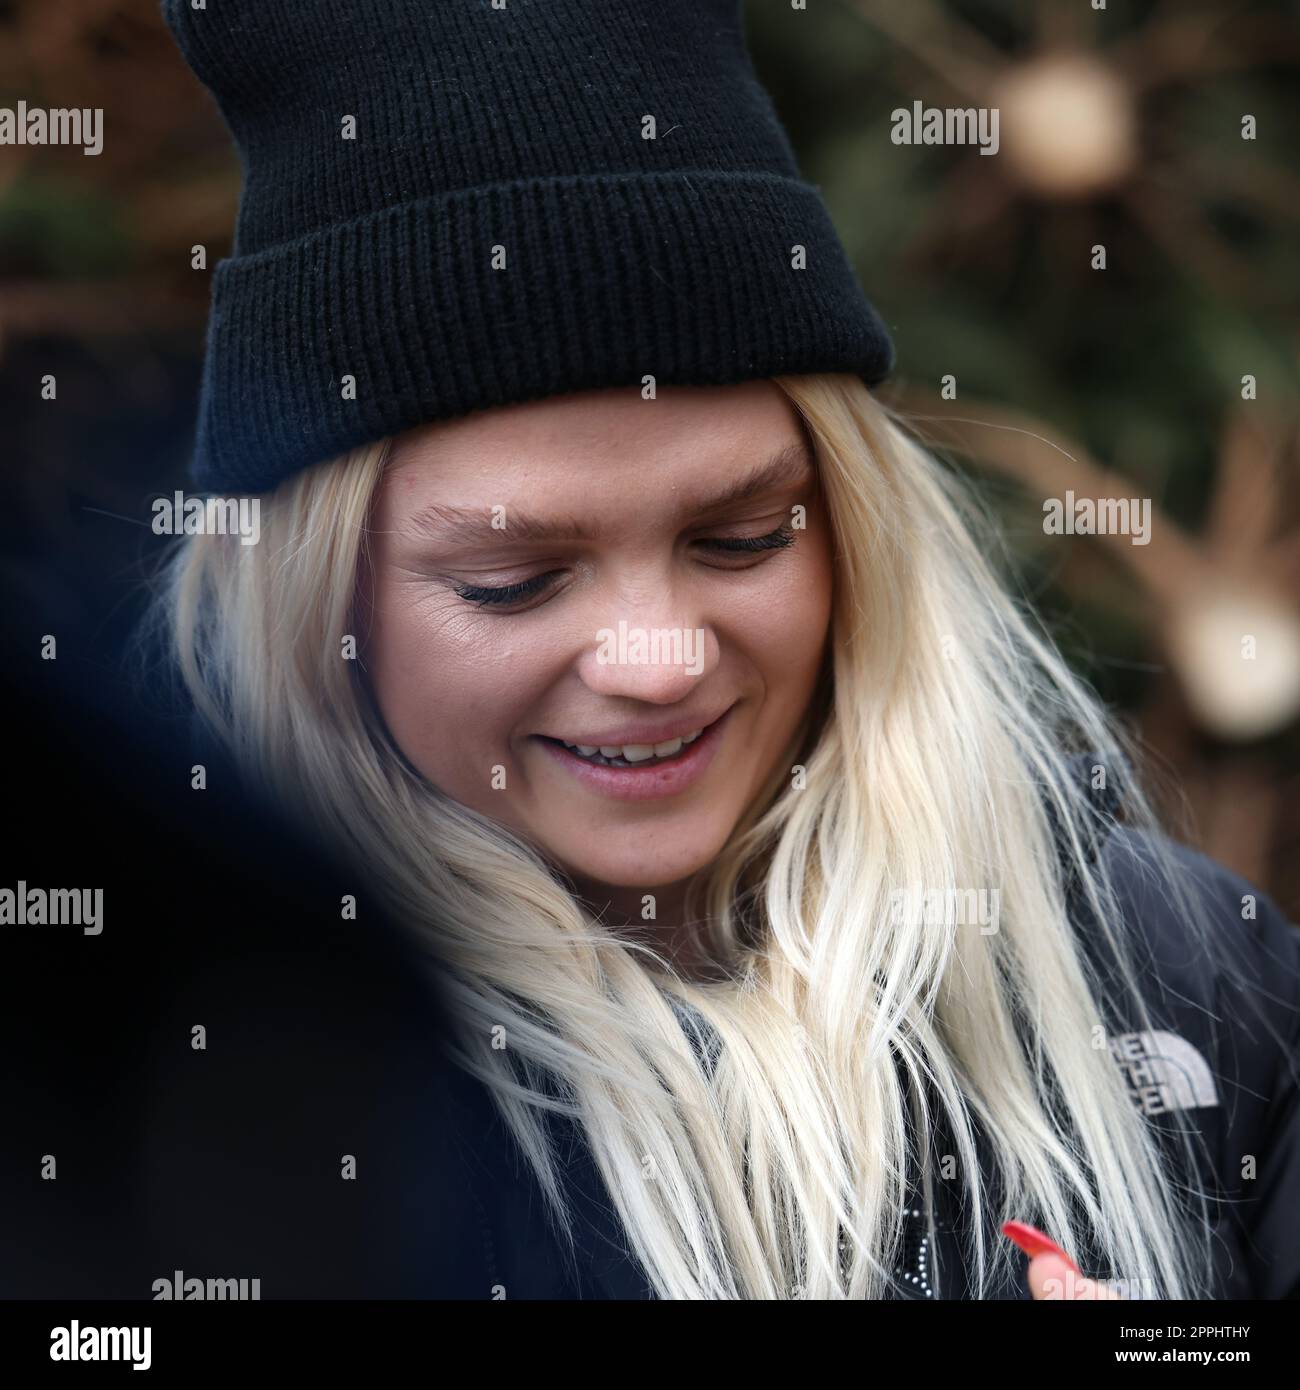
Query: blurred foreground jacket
[(318, 1141)]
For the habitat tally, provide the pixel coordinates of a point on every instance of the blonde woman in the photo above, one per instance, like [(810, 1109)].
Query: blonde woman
[(646, 670)]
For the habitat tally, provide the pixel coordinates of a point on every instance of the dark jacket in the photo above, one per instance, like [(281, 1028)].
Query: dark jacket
[(1210, 1062)]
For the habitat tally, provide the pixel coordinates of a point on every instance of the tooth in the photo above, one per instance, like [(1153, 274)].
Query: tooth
[(635, 752)]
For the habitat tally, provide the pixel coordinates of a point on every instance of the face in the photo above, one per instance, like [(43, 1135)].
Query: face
[(613, 573)]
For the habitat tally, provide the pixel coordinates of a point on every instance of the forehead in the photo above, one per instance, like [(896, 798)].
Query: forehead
[(565, 446)]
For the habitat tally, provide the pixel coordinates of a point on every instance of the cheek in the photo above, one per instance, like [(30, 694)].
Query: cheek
[(782, 623), (439, 686)]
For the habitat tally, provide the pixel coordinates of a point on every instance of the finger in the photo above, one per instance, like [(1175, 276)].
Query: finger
[(1050, 1277)]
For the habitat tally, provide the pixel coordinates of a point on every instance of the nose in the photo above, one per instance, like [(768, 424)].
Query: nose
[(654, 648)]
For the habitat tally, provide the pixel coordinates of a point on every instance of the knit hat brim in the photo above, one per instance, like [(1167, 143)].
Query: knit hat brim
[(687, 277)]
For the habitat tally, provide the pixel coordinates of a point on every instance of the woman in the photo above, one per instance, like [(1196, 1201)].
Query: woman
[(646, 668)]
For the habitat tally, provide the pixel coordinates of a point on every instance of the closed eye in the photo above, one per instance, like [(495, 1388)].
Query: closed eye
[(508, 594)]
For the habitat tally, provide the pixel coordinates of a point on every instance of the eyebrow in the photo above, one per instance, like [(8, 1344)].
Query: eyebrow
[(438, 522)]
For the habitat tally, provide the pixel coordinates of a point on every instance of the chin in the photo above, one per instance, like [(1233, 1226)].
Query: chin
[(631, 871)]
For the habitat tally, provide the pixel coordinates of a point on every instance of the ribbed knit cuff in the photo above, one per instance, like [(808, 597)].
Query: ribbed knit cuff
[(683, 276)]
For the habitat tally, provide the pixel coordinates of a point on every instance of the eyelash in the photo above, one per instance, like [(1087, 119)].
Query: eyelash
[(732, 545)]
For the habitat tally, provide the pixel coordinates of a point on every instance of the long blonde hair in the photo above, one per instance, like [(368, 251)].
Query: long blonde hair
[(754, 1131)]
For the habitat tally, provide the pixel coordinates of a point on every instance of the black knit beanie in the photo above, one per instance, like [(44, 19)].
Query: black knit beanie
[(456, 204)]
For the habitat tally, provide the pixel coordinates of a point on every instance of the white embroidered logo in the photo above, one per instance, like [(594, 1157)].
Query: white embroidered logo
[(1164, 1072)]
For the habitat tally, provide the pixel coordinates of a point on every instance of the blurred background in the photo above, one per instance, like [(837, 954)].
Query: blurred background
[(1169, 375)]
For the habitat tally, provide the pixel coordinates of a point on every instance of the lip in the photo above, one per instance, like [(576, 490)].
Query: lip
[(648, 783)]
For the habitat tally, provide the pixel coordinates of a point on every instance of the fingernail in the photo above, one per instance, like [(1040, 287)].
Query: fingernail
[(1033, 1242)]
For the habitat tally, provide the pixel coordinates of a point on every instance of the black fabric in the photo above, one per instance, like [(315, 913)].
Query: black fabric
[(1227, 1064), (518, 127), (1224, 1064)]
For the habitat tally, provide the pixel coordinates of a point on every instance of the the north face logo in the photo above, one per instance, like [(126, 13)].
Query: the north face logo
[(1164, 1072)]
